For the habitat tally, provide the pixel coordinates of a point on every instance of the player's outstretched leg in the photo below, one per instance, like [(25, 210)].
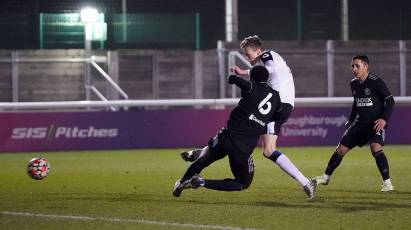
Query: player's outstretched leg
[(288, 167), (309, 186), (191, 155), (228, 184), (243, 179), (270, 152)]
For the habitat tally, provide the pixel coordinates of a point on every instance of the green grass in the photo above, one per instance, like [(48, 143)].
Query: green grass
[(137, 184)]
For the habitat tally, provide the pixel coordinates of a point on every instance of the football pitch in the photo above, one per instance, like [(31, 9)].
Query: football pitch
[(131, 189)]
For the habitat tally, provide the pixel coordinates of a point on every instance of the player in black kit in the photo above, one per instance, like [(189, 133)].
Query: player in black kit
[(247, 122), (371, 109)]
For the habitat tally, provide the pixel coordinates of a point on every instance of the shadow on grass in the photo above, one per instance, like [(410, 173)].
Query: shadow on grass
[(343, 203), (342, 206), (359, 191)]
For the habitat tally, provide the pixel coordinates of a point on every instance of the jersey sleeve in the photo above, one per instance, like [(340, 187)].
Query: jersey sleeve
[(388, 100), (266, 57), (268, 61), (241, 83)]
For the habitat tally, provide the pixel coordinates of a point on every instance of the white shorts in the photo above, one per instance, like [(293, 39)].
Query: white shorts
[(271, 128), (274, 127)]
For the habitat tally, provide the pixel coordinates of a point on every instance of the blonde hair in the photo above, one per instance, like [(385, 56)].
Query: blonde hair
[(252, 41)]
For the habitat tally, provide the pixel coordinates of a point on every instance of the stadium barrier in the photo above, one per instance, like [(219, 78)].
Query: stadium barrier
[(306, 102), (316, 121)]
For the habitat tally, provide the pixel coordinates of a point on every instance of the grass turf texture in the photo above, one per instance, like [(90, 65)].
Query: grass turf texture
[(137, 185)]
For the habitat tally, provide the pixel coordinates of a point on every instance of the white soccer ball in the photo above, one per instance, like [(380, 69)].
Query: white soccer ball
[(38, 168)]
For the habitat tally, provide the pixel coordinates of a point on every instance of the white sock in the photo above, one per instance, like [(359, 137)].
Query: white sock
[(287, 166), (387, 181), (325, 176)]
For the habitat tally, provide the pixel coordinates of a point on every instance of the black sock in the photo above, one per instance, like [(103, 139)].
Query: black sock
[(223, 185), (382, 164), (333, 163), (191, 170), (275, 155)]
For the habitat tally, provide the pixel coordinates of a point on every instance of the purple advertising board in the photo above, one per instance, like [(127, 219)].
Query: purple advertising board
[(46, 131)]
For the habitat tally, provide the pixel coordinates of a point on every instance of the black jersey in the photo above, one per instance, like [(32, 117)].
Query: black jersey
[(372, 100), (249, 118)]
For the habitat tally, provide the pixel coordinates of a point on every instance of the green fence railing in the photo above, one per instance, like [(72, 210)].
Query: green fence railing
[(135, 30), (173, 29), (63, 31)]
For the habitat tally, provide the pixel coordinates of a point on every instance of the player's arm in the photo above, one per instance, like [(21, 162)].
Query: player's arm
[(388, 104), (265, 57), (354, 111), (241, 83), (237, 70), (385, 95), (268, 61), (353, 114)]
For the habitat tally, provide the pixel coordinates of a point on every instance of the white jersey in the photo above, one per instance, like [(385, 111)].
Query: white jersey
[(280, 78)]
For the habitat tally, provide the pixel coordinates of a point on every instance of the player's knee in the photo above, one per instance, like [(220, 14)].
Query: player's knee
[(375, 147), (339, 152), (267, 153), (342, 150), (246, 182)]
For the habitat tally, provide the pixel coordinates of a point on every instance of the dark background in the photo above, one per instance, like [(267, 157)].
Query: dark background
[(270, 19)]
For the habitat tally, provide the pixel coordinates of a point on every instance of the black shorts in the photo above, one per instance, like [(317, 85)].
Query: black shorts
[(241, 164), (279, 119), (359, 135)]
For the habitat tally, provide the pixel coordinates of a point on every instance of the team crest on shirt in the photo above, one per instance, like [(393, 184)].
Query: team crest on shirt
[(367, 91), (265, 55)]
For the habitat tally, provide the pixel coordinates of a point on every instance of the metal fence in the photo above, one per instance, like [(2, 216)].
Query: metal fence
[(89, 86), (322, 68)]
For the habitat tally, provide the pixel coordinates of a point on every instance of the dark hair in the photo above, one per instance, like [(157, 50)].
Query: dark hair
[(259, 74), (252, 41), (363, 58)]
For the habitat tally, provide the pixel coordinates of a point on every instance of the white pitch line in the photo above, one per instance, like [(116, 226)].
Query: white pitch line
[(141, 221)]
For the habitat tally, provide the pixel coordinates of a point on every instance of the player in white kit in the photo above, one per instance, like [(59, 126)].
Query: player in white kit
[(281, 80)]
